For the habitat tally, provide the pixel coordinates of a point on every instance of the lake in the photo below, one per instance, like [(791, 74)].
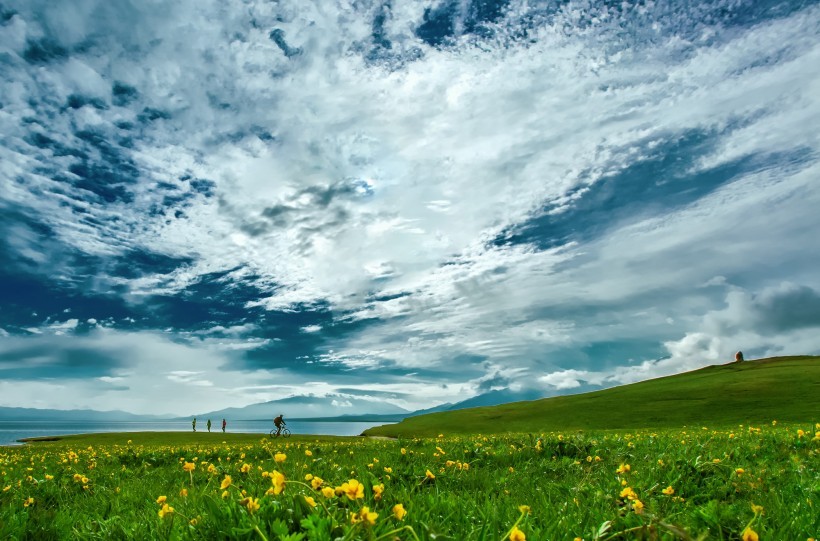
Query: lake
[(11, 431)]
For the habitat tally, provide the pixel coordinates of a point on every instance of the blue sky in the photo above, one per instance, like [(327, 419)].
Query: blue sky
[(215, 203)]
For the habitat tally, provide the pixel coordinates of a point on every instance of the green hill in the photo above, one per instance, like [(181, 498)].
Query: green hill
[(752, 392)]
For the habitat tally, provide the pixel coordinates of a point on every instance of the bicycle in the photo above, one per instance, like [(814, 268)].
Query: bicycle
[(284, 433)]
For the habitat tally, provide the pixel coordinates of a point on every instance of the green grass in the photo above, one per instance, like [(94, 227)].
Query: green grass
[(785, 388), (722, 481)]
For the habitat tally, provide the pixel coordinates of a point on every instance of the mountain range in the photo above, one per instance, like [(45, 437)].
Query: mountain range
[(304, 407)]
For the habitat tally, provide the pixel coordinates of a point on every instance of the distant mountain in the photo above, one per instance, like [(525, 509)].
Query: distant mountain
[(311, 407), (491, 398), (34, 414)]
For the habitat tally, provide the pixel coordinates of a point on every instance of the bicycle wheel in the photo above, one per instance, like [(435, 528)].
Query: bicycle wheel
[(285, 433), (273, 433)]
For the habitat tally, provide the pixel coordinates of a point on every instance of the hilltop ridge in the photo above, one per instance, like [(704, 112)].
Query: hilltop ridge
[(754, 391)]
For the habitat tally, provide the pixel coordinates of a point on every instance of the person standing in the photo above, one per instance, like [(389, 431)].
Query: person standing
[(209, 425), (739, 357), (193, 424), (224, 423)]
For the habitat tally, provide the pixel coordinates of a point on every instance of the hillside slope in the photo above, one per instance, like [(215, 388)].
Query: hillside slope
[(781, 388)]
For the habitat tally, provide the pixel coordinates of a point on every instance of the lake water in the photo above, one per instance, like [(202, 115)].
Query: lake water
[(11, 431)]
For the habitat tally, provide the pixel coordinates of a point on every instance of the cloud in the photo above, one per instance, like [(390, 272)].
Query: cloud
[(469, 194)]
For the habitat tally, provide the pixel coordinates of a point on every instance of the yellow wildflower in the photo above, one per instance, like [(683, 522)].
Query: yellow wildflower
[(399, 511), (189, 466), (353, 489), (430, 475), (280, 457), (28, 501), (364, 516), (308, 453), (668, 490), (750, 535), (740, 471), (166, 510), (245, 468), (517, 535), (183, 492), (377, 492), (316, 483), (251, 503), (310, 501), (278, 481), (328, 492), (226, 482), (78, 477), (162, 499), (308, 476), (623, 468), (637, 506), (629, 494), (403, 451), (525, 509)]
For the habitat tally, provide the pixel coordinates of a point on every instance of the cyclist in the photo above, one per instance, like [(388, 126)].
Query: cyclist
[(280, 423)]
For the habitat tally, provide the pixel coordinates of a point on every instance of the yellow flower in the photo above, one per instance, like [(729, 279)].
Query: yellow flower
[(399, 511), (403, 451), (310, 501), (629, 494), (189, 466), (377, 492), (226, 482), (623, 468), (308, 453), (251, 503), (525, 509), (757, 509), (740, 471), (28, 501), (749, 535), (245, 468), (308, 476), (328, 492), (162, 499), (49, 477), (668, 490), (183, 492), (316, 483), (430, 475), (353, 489), (637, 505), (225, 494), (517, 535), (800, 433), (278, 481), (84, 480), (78, 477), (365, 516), (511, 469), (280, 457), (166, 510)]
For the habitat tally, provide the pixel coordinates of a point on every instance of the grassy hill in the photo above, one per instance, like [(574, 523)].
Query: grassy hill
[(781, 388)]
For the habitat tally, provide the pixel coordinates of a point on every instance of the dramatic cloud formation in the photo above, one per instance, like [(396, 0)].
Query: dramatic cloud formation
[(209, 204)]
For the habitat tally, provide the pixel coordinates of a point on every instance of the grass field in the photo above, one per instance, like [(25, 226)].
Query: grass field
[(741, 481), (785, 388), (669, 484)]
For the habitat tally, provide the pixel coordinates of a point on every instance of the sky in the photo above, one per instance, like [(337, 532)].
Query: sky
[(213, 203)]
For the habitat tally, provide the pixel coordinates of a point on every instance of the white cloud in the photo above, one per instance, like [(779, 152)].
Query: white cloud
[(385, 178)]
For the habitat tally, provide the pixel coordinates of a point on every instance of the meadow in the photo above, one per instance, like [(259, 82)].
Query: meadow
[(739, 482)]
